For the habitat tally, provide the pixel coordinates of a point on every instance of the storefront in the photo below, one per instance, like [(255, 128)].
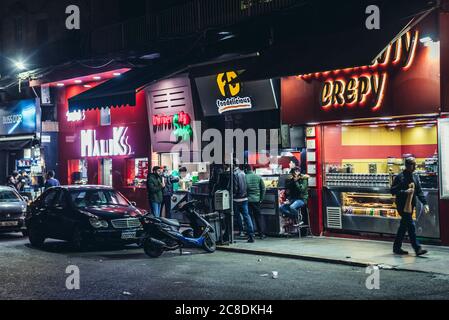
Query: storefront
[(20, 143), (362, 123), (173, 136), (253, 108), (104, 146)]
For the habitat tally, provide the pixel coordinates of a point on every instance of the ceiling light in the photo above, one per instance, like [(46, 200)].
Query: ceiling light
[(116, 74), (78, 81), (97, 78), (87, 86), (60, 84)]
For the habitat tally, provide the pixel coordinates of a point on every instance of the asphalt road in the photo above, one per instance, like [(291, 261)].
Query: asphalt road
[(28, 273)]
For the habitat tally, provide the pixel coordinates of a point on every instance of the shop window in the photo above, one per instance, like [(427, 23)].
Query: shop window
[(105, 117), (362, 161), (136, 172), (105, 172), (77, 172), (170, 160)]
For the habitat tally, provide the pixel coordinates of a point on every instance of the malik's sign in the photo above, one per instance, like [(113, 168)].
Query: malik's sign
[(365, 86), (117, 146)]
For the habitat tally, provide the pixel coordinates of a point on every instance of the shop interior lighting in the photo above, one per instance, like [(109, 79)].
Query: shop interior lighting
[(96, 78), (116, 74), (87, 86), (426, 41), (60, 84), (78, 81)]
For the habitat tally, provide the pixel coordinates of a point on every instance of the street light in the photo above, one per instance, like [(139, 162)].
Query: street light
[(20, 65)]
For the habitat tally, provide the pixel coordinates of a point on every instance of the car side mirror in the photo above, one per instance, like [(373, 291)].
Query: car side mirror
[(26, 198), (133, 203)]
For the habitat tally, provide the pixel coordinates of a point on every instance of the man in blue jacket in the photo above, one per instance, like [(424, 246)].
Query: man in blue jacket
[(401, 189)]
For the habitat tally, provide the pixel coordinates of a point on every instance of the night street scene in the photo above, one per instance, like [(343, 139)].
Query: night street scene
[(224, 156)]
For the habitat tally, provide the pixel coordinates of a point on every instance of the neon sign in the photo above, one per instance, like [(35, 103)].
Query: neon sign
[(117, 146), (365, 86), (180, 122)]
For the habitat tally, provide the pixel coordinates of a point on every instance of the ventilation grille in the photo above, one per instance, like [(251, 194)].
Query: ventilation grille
[(334, 218), (169, 99)]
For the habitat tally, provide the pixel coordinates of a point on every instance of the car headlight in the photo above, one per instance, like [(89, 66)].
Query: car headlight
[(97, 223), (24, 209)]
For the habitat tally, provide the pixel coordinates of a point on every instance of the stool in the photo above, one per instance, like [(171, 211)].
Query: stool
[(307, 226)]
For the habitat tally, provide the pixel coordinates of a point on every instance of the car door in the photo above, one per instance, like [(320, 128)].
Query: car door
[(56, 217), (41, 209), (63, 215)]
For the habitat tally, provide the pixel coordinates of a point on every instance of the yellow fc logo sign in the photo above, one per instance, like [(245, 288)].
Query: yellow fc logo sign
[(226, 88)]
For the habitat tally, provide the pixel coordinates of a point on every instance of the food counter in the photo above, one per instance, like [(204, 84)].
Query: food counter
[(364, 203)]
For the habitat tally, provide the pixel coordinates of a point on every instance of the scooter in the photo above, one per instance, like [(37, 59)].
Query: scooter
[(163, 234)]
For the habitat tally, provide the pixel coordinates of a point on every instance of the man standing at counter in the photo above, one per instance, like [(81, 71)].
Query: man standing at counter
[(256, 194), (405, 185), (155, 185)]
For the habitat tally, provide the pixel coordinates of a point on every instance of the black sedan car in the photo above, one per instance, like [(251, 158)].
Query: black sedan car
[(83, 215), (13, 208)]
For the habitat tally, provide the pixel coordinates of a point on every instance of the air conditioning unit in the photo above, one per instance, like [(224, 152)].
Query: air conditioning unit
[(222, 200)]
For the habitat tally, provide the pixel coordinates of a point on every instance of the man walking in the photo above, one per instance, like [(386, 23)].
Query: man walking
[(155, 185), (241, 203), (405, 185), (256, 194)]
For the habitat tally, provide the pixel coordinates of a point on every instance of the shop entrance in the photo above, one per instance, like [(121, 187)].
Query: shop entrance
[(105, 168)]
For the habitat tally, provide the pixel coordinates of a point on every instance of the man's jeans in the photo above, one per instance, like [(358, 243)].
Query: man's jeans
[(407, 225), (155, 209), (242, 208), (292, 210)]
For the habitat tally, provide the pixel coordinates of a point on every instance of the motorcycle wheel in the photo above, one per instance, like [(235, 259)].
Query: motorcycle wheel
[(151, 250), (210, 242)]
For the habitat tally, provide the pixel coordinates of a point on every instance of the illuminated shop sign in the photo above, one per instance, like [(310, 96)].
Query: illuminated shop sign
[(365, 86), (180, 123), (220, 95), (76, 116), (18, 117), (117, 146), (230, 92)]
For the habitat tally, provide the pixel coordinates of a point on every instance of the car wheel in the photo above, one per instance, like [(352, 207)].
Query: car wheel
[(152, 250), (210, 242), (36, 237), (78, 242)]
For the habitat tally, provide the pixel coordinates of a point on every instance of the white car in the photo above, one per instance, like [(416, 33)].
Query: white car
[(13, 208)]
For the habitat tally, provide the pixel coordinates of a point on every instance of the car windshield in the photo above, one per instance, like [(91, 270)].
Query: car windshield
[(9, 196), (95, 198)]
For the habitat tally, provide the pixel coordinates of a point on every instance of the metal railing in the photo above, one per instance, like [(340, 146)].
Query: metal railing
[(185, 19)]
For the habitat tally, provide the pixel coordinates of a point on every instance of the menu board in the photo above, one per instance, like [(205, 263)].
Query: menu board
[(443, 143)]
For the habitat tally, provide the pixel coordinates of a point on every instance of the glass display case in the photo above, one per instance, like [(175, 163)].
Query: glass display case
[(369, 204)]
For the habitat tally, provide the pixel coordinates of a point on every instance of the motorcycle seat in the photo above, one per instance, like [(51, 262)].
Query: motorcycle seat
[(171, 222)]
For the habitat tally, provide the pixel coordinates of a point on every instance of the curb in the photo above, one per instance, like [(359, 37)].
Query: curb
[(296, 256)]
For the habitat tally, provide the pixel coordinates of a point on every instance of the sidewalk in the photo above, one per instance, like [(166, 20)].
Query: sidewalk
[(348, 251)]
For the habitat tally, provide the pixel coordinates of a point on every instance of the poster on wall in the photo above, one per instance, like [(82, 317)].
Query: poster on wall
[(443, 143), (19, 117), (220, 95)]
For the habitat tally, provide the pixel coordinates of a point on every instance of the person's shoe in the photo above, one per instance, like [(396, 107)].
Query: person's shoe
[(400, 252), (420, 252), (242, 234), (251, 240)]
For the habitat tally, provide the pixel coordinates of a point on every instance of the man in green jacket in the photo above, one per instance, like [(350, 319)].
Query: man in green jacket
[(256, 194), (297, 193), (155, 185)]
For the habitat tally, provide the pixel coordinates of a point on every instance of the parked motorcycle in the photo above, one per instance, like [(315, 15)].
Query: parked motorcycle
[(161, 234)]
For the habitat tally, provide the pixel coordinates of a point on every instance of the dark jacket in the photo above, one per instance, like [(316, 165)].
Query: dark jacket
[(401, 185), (169, 180), (255, 187), (297, 190), (154, 188), (240, 187)]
